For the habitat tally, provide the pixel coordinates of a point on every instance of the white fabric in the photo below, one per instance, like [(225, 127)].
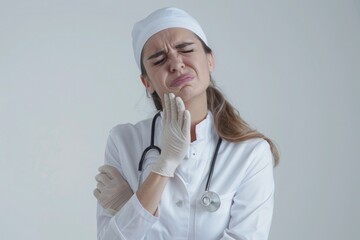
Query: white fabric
[(159, 20), (243, 177)]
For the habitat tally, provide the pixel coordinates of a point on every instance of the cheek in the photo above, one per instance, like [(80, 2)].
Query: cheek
[(151, 71), (158, 78), (203, 69), (157, 84), (200, 63)]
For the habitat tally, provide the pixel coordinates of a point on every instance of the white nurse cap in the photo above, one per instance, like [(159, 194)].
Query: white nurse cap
[(159, 20)]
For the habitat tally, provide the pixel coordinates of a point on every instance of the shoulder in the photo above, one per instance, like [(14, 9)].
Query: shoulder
[(251, 152), (130, 128), (257, 146), (128, 132), (251, 146), (259, 155)]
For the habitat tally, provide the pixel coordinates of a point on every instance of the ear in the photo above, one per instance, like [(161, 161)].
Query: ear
[(211, 61), (145, 80)]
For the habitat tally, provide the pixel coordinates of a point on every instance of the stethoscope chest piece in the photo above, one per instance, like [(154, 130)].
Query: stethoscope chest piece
[(210, 201)]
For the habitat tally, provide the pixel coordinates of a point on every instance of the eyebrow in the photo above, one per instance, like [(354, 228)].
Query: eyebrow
[(163, 52)]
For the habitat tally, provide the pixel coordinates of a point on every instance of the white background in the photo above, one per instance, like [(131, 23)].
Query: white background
[(67, 75)]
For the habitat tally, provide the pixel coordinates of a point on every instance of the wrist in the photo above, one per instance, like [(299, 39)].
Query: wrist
[(165, 168)]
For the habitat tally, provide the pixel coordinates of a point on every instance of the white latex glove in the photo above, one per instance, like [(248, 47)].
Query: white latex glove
[(112, 190), (175, 136)]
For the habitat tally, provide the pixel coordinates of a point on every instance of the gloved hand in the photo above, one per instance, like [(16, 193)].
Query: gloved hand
[(175, 136), (112, 190)]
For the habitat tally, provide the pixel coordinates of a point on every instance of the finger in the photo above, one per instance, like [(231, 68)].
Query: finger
[(187, 124), (105, 169), (100, 186), (110, 171), (173, 109), (103, 178), (180, 106), (97, 193), (166, 107)]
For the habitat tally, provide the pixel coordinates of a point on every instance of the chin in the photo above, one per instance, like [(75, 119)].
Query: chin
[(185, 96)]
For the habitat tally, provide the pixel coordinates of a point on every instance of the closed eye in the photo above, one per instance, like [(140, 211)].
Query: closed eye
[(164, 59), (182, 47), (160, 61), (187, 51), (185, 47)]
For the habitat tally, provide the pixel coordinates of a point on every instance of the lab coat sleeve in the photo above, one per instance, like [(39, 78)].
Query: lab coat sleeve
[(252, 208), (132, 221)]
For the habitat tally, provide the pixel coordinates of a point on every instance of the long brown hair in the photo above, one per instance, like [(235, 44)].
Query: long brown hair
[(228, 123)]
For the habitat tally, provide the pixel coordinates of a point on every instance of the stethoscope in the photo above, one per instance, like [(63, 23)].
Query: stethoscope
[(210, 201)]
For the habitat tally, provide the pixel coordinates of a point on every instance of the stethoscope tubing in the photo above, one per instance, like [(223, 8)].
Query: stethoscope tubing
[(213, 161), (152, 145)]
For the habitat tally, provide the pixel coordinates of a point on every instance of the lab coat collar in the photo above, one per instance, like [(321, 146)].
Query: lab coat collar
[(203, 128)]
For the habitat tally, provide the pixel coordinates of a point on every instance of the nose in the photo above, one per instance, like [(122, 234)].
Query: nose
[(175, 63)]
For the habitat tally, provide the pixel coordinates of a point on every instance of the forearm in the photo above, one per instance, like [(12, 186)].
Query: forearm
[(138, 213), (132, 222), (149, 193)]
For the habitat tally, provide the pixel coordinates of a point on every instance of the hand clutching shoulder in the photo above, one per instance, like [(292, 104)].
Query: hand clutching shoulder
[(112, 190)]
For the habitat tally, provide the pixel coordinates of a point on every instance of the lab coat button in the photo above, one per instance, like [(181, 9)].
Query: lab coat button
[(180, 203)]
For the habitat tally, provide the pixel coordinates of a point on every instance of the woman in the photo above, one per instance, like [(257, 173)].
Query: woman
[(196, 125)]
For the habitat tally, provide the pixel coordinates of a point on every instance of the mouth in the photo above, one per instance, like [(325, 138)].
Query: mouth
[(181, 80)]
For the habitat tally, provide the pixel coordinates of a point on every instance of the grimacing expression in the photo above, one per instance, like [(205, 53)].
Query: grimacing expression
[(175, 61)]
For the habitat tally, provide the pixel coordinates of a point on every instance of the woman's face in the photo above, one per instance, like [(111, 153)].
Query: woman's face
[(175, 61)]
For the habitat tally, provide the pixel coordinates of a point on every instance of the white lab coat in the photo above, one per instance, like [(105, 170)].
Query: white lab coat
[(243, 177)]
